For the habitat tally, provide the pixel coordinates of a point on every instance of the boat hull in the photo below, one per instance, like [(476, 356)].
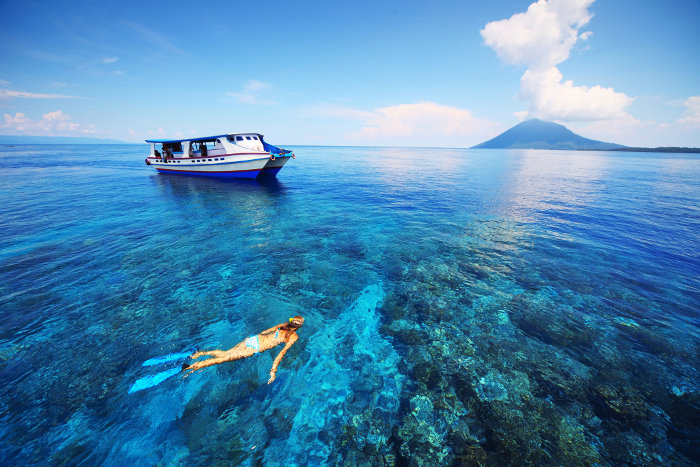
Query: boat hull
[(274, 166), (247, 169), (247, 174)]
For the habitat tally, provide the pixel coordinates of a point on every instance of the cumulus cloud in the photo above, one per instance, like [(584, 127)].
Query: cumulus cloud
[(253, 92), (554, 99), (692, 112), (541, 38), (631, 131), (54, 123), (159, 132), (626, 130), (419, 124), (17, 121)]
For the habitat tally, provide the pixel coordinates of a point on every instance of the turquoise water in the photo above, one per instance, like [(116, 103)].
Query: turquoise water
[(501, 307)]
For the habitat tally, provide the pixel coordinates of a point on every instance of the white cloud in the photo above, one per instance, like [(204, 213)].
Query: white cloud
[(541, 38), (253, 92), (625, 130), (631, 131), (108, 60), (418, 124), (54, 123), (17, 121), (8, 93), (692, 112), (554, 99)]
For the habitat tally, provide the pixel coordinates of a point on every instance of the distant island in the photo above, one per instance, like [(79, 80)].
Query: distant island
[(673, 149), (22, 139), (538, 134), (530, 134)]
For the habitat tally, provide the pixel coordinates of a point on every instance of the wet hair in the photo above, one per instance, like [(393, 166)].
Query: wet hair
[(289, 326)]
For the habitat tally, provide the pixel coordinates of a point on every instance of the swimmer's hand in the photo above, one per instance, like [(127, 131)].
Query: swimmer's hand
[(272, 377)]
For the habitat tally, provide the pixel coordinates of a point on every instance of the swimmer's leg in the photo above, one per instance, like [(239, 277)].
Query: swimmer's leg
[(211, 353), (204, 363), (236, 353)]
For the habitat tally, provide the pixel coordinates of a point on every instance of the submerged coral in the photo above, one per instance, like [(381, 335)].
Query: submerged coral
[(524, 308)]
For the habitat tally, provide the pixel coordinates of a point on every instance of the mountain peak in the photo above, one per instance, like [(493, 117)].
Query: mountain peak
[(539, 134)]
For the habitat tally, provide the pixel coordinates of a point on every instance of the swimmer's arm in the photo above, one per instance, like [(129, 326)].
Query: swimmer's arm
[(273, 328), (277, 361)]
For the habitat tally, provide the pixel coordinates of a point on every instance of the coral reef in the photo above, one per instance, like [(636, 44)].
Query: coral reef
[(460, 310)]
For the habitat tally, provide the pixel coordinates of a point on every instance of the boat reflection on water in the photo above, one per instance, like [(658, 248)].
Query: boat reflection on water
[(219, 193)]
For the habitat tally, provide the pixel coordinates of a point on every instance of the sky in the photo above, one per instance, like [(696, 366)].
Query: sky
[(368, 73)]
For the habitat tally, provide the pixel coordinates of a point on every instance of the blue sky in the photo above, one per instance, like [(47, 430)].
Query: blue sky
[(442, 73)]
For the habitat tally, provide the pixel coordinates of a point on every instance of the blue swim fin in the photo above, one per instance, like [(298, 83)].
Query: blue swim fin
[(167, 358), (153, 380)]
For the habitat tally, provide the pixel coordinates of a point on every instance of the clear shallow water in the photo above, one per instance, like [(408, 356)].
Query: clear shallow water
[(461, 306)]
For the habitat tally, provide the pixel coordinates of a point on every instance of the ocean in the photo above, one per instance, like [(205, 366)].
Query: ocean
[(502, 307)]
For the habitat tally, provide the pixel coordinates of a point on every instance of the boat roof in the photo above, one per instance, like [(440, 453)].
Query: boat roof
[(201, 138)]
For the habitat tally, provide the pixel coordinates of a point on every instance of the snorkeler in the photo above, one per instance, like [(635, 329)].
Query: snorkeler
[(285, 332)]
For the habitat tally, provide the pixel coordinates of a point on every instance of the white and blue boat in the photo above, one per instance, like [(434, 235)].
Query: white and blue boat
[(237, 155)]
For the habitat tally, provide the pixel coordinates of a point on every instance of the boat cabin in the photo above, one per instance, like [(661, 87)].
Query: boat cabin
[(208, 146)]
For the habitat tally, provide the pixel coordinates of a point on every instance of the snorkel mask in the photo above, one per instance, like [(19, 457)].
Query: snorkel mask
[(298, 324)]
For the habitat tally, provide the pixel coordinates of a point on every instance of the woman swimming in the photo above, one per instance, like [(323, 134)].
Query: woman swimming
[(285, 332)]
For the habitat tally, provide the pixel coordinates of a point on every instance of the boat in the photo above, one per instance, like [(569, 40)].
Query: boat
[(235, 155)]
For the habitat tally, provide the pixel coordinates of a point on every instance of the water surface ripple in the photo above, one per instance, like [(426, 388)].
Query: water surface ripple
[(462, 306)]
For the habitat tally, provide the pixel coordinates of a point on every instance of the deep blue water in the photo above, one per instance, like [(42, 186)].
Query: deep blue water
[(500, 307)]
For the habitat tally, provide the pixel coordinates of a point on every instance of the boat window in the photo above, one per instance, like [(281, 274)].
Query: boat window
[(239, 138), (255, 138), (248, 138)]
